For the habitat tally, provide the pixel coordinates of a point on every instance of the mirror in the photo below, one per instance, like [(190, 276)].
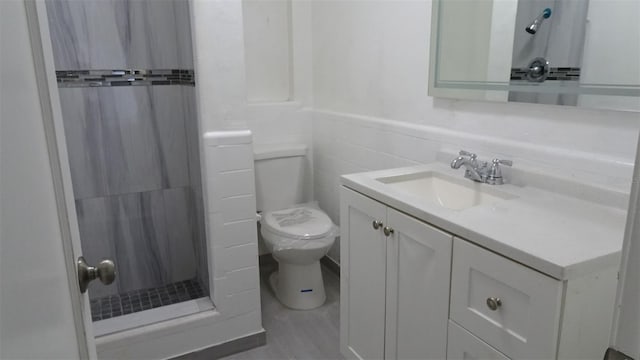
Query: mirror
[(562, 52)]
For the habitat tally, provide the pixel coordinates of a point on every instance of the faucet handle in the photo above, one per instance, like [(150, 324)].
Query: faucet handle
[(497, 162), (469, 154), (495, 173)]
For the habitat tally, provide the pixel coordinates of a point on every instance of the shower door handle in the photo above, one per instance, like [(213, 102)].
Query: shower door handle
[(105, 271)]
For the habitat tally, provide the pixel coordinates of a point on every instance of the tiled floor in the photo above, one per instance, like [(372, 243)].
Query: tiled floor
[(145, 299), (294, 334)]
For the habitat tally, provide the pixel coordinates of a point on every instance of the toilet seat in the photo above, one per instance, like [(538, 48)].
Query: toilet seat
[(298, 223)]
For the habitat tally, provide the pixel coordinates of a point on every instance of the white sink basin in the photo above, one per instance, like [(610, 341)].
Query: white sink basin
[(446, 191)]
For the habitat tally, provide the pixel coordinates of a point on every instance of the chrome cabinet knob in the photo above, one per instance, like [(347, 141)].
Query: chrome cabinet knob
[(494, 303), (388, 231), (105, 271), (377, 224)]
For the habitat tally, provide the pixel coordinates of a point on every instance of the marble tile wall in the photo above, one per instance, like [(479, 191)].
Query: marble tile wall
[(124, 140), (137, 183), (133, 151), (112, 34), (147, 234)]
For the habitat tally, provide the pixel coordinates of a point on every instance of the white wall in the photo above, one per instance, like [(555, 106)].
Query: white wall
[(219, 64), (267, 49), (275, 122), (372, 110), (609, 56), (503, 19), (464, 43), (226, 83)]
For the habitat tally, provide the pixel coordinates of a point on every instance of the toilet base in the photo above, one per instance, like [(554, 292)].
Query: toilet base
[(299, 287)]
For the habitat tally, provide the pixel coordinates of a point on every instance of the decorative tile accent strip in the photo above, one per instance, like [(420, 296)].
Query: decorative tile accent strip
[(559, 73), (139, 300), (124, 77)]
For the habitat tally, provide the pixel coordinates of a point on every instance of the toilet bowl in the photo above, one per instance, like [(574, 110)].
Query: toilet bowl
[(298, 237)]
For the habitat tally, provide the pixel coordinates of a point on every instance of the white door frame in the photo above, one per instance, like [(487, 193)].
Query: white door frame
[(41, 47)]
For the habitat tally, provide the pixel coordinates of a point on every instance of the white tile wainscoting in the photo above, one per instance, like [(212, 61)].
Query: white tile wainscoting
[(231, 225)]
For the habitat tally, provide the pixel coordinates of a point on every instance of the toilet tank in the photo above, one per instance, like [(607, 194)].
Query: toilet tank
[(282, 177)]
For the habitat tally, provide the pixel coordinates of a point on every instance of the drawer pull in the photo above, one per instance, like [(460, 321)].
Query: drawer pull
[(494, 303), (388, 231), (377, 224)]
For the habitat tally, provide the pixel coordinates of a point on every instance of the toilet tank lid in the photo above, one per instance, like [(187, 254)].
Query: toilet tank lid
[(271, 151)]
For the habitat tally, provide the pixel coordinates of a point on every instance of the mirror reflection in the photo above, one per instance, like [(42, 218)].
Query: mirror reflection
[(560, 52)]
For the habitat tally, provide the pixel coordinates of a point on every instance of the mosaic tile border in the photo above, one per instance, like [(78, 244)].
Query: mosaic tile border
[(138, 300), (558, 73), (125, 77)]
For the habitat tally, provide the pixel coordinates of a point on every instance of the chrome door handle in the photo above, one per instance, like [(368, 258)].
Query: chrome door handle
[(105, 271), (388, 231), (377, 224)]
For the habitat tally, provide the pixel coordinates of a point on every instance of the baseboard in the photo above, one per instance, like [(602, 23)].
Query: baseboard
[(229, 348), (331, 265)]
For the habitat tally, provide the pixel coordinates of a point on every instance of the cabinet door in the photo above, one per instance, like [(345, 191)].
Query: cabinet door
[(362, 277), (418, 277), (463, 345)]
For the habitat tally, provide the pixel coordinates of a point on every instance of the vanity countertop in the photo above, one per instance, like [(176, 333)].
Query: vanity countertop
[(561, 236)]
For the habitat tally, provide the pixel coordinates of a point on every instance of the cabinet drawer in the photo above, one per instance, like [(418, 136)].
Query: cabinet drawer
[(464, 345), (511, 307)]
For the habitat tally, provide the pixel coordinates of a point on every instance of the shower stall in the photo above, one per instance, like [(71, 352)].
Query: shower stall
[(126, 83)]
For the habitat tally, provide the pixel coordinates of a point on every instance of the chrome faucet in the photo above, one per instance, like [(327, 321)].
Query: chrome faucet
[(480, 171), (474, 169)]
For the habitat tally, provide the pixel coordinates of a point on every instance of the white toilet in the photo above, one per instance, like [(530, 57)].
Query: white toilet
[(298, 236)]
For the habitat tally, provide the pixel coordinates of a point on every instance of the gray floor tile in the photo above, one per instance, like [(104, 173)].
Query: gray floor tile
[(293, 334)]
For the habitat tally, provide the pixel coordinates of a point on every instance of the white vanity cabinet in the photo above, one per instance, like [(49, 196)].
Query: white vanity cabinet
[(412, 291), (395, 287)]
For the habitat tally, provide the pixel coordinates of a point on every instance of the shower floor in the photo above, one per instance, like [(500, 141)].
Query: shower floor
[(138, 300)]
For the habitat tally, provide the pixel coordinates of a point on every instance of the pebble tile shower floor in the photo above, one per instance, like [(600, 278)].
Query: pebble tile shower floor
[(145, 299)]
